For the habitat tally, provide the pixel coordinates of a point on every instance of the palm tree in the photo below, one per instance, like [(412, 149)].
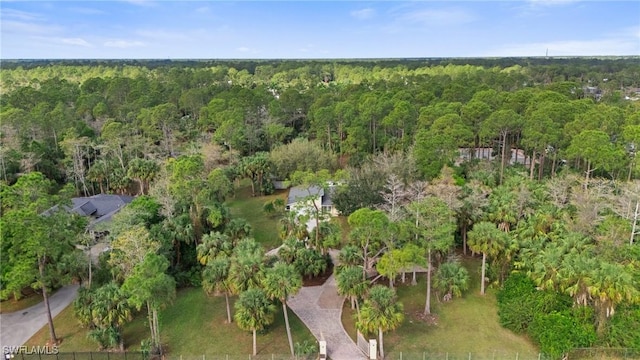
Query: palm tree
[(215, 279), (238, 229), (502, 207), (380, 312), (99, 173), (254, 311), (281, 281), (292, 226), (611, 285), (487, 239), (452, 279), (143, 171), (309, 262), (213, 245), (474, 202), (350, 256), (105, 310), (349, 282), (246, 269)]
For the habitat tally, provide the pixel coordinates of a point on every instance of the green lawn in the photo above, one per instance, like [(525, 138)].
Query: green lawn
[(12, 305), (265, 227), (467, 324), (194, 325)]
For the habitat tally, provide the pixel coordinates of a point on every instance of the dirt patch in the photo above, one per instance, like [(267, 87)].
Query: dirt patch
[(430, 319), (320, 279)]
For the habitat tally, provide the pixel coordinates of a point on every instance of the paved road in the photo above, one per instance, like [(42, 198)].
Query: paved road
[(18, 327)]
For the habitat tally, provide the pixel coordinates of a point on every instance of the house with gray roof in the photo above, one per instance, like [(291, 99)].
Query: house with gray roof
[(99, 207), (301, 197)]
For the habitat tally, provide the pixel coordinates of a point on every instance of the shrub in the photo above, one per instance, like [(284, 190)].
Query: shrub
[(559, 332), (623, 330), (309, 262), (519, 301)]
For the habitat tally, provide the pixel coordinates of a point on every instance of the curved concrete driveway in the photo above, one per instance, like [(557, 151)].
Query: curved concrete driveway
[(18, 327), (320, 308)]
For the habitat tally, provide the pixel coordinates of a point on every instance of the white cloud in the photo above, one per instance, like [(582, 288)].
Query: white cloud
[(363, 14), (162, 35), (123, 44), (625, 41), (203, 10), (86, 11), (438, 17), (535, 3), (22, 27), (20, 15), (75, 42), (307, 48), (141, 2), (618, 46), (247, 50)]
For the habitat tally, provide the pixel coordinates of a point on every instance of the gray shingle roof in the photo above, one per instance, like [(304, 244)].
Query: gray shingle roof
[(297, 193)]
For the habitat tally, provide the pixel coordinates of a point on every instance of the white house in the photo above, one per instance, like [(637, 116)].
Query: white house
[(312, 197)]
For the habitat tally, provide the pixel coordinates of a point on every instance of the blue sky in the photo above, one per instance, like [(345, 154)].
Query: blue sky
[(317, 29)]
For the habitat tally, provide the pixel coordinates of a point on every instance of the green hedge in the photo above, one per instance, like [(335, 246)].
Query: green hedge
[(549, 318)]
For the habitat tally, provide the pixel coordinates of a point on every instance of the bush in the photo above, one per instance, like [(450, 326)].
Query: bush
[(514, 308), (310, 263), (559, 332), (519, 301), (623, 330), (306, 350)]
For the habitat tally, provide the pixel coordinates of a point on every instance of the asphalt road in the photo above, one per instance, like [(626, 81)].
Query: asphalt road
[(18, 327)]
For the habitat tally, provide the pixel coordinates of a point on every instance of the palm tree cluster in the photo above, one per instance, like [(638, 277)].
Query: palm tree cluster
[(235, 265)]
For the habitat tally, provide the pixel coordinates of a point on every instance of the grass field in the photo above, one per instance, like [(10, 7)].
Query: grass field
[(12, 305), (464, 325), (194, 325), (265, 228)]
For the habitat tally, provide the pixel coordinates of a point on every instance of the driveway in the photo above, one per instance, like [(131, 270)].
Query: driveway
[(320, 308), (18, 327)]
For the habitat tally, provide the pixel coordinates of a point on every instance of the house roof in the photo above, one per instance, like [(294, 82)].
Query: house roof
[(327, 198), (100, 207), (298, 193)]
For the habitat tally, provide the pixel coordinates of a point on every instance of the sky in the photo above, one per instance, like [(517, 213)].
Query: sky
[(162, 29)]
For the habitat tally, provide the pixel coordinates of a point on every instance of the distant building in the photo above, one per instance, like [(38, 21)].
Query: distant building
[(632, 94), (517, 155), (593, 91)]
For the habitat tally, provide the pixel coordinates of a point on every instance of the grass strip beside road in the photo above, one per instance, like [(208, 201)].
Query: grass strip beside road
[(194, 325)]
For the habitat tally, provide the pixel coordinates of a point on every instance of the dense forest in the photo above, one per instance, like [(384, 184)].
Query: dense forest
[(554, 213)]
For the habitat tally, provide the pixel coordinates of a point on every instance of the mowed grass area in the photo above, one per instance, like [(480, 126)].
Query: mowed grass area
[(11, 305), (465, 325), (265, 227), (194, 325)]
